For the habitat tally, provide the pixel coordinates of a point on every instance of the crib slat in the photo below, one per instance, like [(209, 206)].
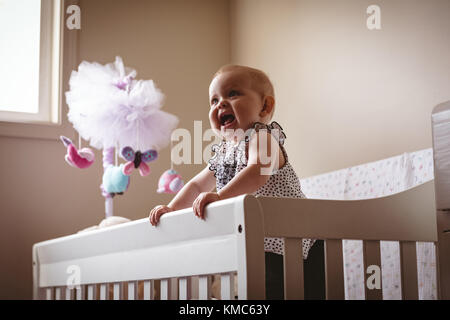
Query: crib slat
[(334, 270), (49, 294), (235, 286), (132, 290), (227, 286), (293, 269), (185, 288), (194, 287), (372, 257), (165, 289), (118, 291), (104, 292), (173, 289), (91, 291), (408, 261), (80, 292), (148, 290), (57, 293), (437, 279), (204, 287), (68, 294)]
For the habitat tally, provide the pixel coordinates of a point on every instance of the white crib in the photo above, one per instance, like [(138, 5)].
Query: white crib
[(180, 256)]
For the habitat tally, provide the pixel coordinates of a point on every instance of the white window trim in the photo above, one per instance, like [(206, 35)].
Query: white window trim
[(49, 68), (67, 61)]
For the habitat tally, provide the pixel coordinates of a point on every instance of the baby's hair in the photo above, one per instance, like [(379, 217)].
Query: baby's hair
[(264, 85), (260, 81)]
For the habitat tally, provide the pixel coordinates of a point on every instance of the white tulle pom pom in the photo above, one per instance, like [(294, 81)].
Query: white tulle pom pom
[(109, 108)]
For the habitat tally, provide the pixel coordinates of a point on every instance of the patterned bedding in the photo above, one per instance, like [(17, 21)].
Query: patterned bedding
[(372, 180)]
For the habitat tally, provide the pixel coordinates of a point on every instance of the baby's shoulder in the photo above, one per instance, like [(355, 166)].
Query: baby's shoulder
[(267, 143), (274, 129)]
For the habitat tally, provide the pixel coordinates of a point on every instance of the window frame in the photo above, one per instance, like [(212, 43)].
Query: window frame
[(58, 57)]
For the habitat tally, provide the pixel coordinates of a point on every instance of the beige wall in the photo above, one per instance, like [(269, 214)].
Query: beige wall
[(347, 95), (179, 44)]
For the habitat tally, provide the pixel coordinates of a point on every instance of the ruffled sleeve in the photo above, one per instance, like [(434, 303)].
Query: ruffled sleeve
[(277, 131), (219, 154), (274, 128)]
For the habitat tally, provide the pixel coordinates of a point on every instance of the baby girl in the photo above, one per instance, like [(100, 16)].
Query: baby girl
[(242, 102)]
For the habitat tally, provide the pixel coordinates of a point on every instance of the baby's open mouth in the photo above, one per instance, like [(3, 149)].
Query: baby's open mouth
[(226, 119)]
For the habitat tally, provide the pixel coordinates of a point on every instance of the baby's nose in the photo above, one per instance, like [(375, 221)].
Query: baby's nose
[(223, 103)]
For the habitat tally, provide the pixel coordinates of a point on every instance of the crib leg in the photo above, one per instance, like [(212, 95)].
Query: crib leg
[(442, 254)]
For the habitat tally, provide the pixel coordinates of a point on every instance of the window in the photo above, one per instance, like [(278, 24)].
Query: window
[(30, 60)]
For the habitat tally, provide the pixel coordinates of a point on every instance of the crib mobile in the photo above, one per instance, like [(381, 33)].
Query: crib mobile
[(113, 111), (82, 158)]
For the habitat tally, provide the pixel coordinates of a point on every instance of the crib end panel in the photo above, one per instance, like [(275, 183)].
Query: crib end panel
[(249, 225)]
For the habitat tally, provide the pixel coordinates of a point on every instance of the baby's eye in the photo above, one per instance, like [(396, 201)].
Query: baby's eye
[(233, 93), (214, 101)]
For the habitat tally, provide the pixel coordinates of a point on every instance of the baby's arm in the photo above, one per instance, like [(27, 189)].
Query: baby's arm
[(204, 181), (261, 162)]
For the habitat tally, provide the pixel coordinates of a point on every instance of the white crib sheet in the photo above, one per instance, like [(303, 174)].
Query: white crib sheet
[(372, 180)]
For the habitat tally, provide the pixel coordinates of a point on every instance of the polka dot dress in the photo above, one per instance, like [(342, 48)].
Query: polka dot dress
[(230, 159)]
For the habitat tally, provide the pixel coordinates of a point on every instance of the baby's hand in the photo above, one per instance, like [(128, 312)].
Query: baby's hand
[(157, 212), (202, 200)]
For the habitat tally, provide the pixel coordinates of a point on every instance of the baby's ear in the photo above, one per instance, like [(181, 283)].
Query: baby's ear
[(268, 107)]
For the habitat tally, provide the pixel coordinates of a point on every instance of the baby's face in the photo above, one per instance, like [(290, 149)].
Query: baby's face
[(234, 102)]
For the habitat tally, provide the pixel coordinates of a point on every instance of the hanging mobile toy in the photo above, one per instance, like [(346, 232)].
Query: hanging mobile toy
[(114, 181), (114, 111), (82, 158), (137, 160), (170, 181)]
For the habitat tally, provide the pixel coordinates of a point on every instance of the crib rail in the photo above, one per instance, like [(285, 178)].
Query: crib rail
[(178, 258), (182, 250), (407, 217)]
